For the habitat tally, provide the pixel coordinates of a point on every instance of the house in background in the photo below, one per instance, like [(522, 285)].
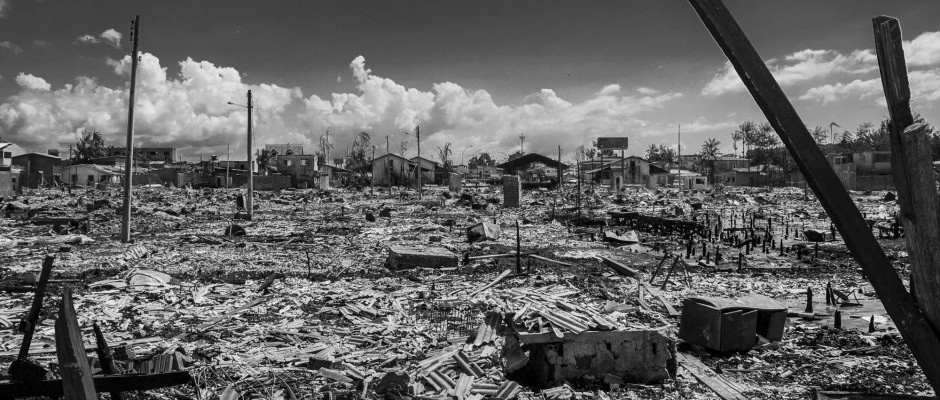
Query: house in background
[(533, 168), (38, 168), (302, 168), (632, 170), (87, 174), (167, 154), (429, 169), (285, 149), (8, 151), (391, 169), (872, 162)]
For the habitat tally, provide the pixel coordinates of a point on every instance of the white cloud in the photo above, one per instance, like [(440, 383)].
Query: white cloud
[(809, 65), (188, 111), (838, 91), (647, 91), (801, 66), (702, 124), (4, 7), (924, 50), (40, 43), (924, 84), (110, 37), (8, 45), (452, 113), (31, 82)]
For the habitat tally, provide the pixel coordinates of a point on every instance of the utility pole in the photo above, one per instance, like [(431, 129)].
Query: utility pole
[(679, 150), (388, 177), (371, 181), (129, 159), (522, 143), (228, 162), (418, 138), (560, 174), (251, 172)]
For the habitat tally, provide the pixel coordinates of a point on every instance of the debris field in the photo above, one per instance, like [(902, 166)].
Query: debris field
[(348, 294)]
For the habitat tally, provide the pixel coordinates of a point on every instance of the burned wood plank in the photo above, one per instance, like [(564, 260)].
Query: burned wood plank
[(718, 384), (103, 383), (28, 326), (73, 362), (620, 268), (911, 166), (670, 310), (901, 306)]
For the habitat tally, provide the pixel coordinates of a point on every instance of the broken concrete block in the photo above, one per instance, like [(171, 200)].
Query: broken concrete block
[(632, 356), (731, 325), (404, 257), (482, 232), (386, 213)]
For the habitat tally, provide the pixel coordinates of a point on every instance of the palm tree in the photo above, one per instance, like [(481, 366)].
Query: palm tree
[(832, 135), (710, 152), (362, 142), (745, 134), (651, 152), (444, 153), (735, 137), (325, 146)]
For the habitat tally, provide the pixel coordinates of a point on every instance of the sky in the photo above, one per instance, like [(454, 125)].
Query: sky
[(476, 74)]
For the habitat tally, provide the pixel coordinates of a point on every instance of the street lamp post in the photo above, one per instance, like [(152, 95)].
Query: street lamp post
[(464, 151), (251, 191)]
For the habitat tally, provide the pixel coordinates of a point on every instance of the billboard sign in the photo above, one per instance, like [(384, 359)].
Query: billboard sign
[(612, 143)]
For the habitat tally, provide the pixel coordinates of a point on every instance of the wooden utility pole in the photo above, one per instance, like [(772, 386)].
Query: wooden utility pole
[(251, 170), (918, 333), (228, 162), (129, 157), (372, 179), (388, 176), (679, 152), (913, 174), (418, 138), (560, 174), (522, 143)]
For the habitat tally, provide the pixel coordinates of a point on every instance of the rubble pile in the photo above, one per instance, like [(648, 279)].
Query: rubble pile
[(344, 293)]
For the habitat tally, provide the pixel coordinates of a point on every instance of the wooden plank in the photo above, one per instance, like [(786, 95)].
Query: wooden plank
[(718, 384), (105, 357), (918, 333), (670, 310), (29, 325), (73, 362), (228, 315), (911, 160), (51, 350), (103, 383), (619, 267), (546, 259)]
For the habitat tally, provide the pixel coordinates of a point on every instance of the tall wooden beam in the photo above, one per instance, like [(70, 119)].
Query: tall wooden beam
[(913, 326), (29, 324), (911, 166), (77, 383)]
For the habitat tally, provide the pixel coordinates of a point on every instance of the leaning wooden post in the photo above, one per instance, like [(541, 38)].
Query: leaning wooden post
[(77, 382), (918, 333), (21, 369), (911, 165)]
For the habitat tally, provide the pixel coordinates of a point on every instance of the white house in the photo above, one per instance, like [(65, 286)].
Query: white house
[(8, 151), (87, 174)]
